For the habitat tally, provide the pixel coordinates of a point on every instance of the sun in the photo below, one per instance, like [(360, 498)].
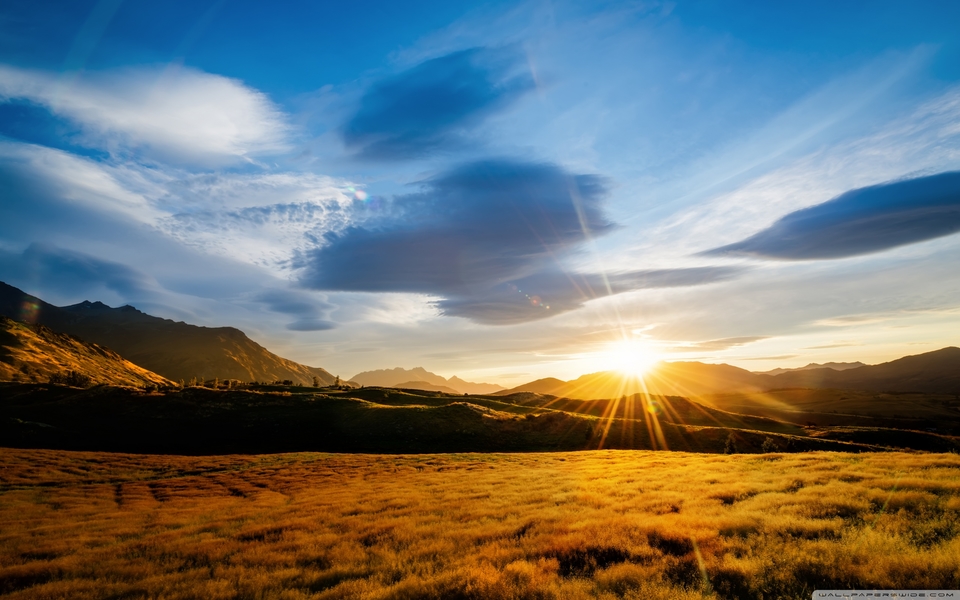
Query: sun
[(631, 357)]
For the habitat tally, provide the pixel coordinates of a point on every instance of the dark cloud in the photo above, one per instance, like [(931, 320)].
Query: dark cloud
[(861, 221), (310, 311), (477, 225), (70, 273), (311, 325), (430, 106), (487, 237)]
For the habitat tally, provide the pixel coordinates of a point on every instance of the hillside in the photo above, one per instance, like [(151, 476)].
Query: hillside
[(396, 377), (175, 350), (35, 353)]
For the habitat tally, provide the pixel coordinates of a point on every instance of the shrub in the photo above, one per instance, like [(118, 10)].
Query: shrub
[(731, 446), (71, 378)]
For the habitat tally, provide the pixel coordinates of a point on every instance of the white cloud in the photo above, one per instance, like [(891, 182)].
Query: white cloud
[(79, 180), (181, 115), (262, 219)]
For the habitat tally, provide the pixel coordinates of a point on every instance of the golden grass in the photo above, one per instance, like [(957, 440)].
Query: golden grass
[(609, 524)]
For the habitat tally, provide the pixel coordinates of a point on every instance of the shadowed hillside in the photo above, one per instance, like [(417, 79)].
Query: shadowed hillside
[(36, 353), (291, 419), (175, 350)]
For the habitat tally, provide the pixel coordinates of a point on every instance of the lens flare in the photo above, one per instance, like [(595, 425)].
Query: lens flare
[(29, 311)]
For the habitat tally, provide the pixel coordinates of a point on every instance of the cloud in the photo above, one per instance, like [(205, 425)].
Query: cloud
[(551, 292), (311, 325), (429, 107), (310, 310), (70, 273), (861, 221), (487, 238), (717, 345), (182, 116), (476, 225), (833, 345)]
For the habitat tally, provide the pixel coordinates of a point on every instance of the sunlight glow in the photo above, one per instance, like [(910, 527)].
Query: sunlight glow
[(631, 357)]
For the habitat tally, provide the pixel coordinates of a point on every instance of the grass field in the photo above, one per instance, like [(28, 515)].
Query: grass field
[(607, 524)]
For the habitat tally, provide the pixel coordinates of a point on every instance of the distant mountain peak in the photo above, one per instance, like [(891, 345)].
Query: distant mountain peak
[(87, 304), (418, 375)]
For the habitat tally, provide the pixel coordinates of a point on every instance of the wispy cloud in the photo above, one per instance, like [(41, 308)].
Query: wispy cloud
[(716, 345), (182, 116), (553, 291), (431, 106)]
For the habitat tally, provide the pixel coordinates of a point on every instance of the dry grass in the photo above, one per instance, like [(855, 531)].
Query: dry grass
[(609, 524), (34, 353)]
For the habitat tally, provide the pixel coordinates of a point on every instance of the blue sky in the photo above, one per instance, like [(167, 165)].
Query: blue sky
[(501, 191)]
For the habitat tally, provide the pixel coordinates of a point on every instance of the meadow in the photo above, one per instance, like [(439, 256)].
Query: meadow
[(570, 525)]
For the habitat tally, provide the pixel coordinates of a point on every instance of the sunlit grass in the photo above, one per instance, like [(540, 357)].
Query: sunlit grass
[(608, 524)]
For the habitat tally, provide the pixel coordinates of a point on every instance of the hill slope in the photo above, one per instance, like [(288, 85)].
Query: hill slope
[(396, 377), (35, 353), (175, 350)]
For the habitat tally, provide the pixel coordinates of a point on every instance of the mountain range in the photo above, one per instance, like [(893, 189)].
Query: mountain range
[(931, 372), (180, 351), (172, 349), (419, 378), (836, 366)]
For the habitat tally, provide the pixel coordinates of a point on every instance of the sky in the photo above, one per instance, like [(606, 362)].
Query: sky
[(501, 191)]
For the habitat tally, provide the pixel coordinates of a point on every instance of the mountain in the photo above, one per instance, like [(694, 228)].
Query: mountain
[(424, 386), (394, 377), (36, 353), (932, 372), (175, 350), (836, 366)]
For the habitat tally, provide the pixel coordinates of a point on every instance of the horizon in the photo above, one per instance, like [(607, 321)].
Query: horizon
[(492, 191)]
